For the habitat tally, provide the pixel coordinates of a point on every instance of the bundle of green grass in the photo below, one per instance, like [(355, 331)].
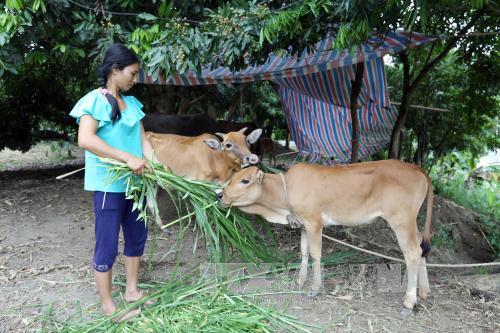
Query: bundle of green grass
[(225, 230), (185, 307)]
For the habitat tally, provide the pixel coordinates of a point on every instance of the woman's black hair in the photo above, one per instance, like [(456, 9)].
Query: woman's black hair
[(116, 56)]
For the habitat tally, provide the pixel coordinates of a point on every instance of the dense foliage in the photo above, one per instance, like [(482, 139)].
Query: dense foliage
[(50, 48), (473, 104), (453, 177)]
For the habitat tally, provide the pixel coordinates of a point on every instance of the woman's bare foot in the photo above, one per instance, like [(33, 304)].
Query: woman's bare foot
[(109, 309), (134, 296)]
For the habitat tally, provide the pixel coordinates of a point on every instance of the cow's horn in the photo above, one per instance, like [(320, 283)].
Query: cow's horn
[(242, 131), (221, 135)]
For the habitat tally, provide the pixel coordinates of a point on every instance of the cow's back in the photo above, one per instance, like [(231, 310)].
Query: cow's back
[(377, 184), (189, 157), (186, 125)]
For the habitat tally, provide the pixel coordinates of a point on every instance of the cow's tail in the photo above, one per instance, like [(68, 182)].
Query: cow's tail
[(426, 239)]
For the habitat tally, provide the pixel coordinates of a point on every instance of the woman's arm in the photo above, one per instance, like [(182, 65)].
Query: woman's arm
[(147, 148), (88, 140)]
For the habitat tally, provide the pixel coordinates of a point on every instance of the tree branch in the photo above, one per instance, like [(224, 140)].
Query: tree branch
[(236, 100), (445, 51)]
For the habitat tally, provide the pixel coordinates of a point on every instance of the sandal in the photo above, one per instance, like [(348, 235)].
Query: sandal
[(146, 303), (126, 315)]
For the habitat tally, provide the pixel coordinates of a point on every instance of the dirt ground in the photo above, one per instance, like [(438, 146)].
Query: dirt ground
[(46, 244)]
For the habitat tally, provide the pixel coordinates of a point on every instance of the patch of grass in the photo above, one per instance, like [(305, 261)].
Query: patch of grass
[(204, 306), (41, 154), (201, 301), (443, 236), (60, 150), (483, 198), (483, 270)]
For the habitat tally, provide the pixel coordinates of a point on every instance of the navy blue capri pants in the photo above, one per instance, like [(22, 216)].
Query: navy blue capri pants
[(112, 210)]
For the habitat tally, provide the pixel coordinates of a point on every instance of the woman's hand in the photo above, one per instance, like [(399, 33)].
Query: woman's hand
[(136, 164)]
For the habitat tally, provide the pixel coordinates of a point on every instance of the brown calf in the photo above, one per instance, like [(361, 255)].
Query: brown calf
[(204, 157), (351, 195)]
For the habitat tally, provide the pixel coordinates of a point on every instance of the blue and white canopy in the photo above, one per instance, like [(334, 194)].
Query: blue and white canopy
[(315, 88)]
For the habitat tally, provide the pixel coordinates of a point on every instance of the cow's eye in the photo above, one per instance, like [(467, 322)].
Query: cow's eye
[(228, 145), (245, 181)]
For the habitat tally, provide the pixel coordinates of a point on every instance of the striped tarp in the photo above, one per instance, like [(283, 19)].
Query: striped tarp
[(319, 117), (315, 90)]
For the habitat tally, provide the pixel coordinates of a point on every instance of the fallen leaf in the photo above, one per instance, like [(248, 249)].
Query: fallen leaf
[(12, 274), (345, 297)]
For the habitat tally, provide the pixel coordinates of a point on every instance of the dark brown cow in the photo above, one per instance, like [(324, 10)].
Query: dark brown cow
[(188, 125), (266, 146)]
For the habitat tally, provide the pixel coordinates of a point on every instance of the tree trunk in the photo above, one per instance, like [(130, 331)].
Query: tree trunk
[(423, 143), (403, 108), (236, 101), (156, 98), (186, 104), (356, 85), (409, 88)]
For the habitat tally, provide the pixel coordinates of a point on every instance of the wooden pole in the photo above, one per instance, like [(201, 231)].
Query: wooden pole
[(355, 90), (426, 108)]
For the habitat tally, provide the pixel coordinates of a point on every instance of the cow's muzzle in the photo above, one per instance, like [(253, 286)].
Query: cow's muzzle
[(251, 159), (220, 195)]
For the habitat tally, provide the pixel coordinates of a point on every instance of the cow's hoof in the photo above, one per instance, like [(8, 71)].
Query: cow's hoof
[(300, 284), (405, 312), (424, 294), (312, 293)]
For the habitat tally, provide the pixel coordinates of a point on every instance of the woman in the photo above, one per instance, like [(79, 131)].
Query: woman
[(110, 126)]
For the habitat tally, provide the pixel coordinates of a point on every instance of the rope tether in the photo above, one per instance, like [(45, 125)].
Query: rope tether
[(401, 260)]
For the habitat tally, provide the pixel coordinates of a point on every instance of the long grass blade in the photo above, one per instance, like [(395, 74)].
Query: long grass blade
[(224, 229)]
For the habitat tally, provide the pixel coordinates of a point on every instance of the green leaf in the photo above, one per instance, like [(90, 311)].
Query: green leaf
[(3, 38), (147, 17)]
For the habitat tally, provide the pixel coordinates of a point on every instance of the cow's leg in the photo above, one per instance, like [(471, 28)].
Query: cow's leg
[(304, 250), (424, 289), (406, 233), (314, 240), (159, 222)]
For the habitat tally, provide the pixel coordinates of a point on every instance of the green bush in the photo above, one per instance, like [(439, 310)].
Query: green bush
[(450, 178)]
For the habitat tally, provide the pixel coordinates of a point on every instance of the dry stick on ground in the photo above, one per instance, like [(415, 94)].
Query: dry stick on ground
[(486, 239), (433, 328), (65, 282), (27, 244)]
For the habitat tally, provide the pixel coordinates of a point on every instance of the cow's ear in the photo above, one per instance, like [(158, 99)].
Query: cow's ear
[(214, 144), (254, 136), (242, 131), (260, 176)]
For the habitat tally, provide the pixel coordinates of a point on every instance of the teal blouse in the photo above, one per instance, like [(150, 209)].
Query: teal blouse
[(124, 134)]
